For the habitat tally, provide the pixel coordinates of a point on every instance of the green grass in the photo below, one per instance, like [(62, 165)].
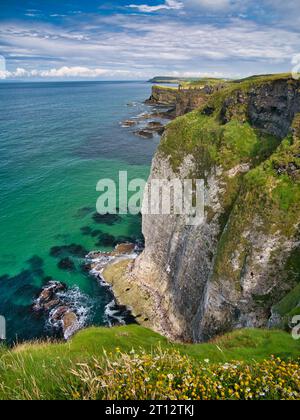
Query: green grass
[(289, 305), (43, 370), (171, 88)]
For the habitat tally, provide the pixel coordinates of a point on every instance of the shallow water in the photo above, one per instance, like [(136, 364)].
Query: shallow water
[(56, 141)]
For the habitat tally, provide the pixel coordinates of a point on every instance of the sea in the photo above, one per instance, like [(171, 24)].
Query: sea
[(57, 140)]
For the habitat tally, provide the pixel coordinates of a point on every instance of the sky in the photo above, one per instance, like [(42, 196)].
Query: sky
[(140, 39)]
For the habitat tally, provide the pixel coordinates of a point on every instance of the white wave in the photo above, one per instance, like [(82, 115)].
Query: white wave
[(111, 314), (78, 303)]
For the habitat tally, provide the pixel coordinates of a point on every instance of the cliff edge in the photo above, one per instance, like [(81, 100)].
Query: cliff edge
[(241, 267)]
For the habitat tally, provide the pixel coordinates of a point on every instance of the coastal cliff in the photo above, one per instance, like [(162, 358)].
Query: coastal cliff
[(240, 268), (183, 99)]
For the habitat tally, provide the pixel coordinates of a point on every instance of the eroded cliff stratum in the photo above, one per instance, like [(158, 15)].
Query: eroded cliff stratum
[(241, 267)]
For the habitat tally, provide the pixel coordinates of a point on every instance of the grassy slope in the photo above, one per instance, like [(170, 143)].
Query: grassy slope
[(42, 370)]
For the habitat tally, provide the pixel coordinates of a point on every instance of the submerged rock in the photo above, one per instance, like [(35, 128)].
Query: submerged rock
[(67, 250), (66, 264), (107, 219), (129, 123), (156, 127), (48, 295), (144, 134), (105, 240)]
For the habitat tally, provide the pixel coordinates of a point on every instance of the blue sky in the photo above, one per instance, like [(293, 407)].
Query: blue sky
[(138, 39)]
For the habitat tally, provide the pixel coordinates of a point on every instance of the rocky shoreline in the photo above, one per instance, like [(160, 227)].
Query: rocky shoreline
[(65, 309), (97, 262), (150, 124)]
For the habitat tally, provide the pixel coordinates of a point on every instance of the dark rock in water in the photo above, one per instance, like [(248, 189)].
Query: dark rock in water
[(106, 240), (66, 264), (35, 262), (59, 313), (156, 127), (48, 306), (96, 232), (107, 219), (61, 307), (4, 278), (66, 250), (83, 212), (144, 133), (128, 123), (77, 250), (170, 114), (154, 124), (85, 268), (36, 266), (86, 230), (57, 251), (48, 295)]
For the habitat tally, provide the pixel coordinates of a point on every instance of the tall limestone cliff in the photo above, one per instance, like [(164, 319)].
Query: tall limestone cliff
[(241, 267)]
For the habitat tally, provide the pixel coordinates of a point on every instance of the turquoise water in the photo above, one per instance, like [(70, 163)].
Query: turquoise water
[(56, 141)]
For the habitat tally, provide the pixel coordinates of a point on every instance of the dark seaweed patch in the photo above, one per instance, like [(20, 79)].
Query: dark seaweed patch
[(35, 262), (96, 232), (106, 240), (107, 219), (83, 212), (62, 236), (124, 239), (66, 264), (66, 250), (36, 265), (88, 231)]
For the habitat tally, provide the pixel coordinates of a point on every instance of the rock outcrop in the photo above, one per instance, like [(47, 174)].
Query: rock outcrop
[(182, 100), (234, 269), (62, 308)]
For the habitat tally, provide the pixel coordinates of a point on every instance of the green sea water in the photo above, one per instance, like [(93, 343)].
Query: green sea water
[(56, 141)]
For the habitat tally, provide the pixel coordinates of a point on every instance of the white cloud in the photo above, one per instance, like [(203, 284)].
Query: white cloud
[(168, 5), (2, 64), (144, 46), (64, 72), (211, 4)]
